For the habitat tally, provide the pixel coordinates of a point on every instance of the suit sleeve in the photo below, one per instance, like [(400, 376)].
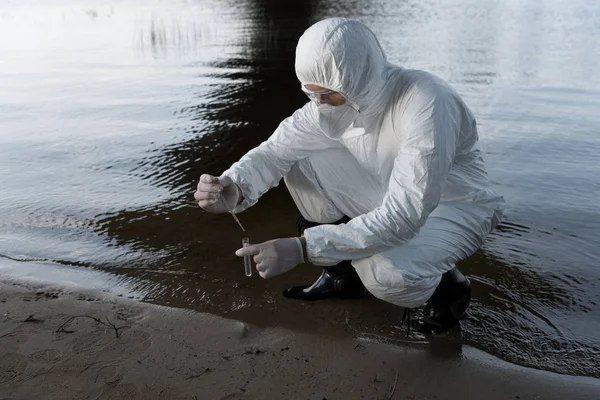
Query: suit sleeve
[(296, 138)]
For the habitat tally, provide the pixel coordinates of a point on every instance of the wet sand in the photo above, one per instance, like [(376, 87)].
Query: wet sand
[(162, 352)]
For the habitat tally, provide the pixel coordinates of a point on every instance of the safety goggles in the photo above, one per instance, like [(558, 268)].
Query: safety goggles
[(317, 95)]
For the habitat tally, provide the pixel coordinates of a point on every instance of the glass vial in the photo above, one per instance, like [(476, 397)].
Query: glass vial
[(247, 259)]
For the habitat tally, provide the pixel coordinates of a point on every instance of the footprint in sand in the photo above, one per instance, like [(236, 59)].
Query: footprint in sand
[(99, 347), (92, 342), (57, 384), (77, 363), (109, 376), (133, 342), (84, 350), (125, 391), (47, 356), (12, 366)]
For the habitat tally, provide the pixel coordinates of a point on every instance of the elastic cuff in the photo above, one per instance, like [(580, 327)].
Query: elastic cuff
[(243, 201)]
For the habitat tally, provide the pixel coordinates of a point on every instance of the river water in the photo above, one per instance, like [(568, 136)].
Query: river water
[(110, 111)]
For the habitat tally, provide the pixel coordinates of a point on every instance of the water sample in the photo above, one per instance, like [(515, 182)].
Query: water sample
[(247, 259)]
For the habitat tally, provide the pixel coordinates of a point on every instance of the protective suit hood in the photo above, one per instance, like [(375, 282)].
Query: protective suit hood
[(344, 55)]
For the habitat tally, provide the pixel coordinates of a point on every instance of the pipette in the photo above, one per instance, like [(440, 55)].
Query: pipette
[(232, 213), (237, 220), (245, 241)]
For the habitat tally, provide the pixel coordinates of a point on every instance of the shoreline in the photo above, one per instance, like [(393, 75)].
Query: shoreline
[(162, 352)]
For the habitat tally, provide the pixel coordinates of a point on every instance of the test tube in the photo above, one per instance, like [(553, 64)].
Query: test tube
[(247, 259)]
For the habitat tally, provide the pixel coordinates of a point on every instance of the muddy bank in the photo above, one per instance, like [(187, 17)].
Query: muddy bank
[(121, 349)]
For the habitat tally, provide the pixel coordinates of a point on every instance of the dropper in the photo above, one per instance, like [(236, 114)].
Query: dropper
[(232, 213), (237, 220)]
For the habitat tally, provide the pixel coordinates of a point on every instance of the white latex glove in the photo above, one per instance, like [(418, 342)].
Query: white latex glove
[(217, 195), (274, 257)]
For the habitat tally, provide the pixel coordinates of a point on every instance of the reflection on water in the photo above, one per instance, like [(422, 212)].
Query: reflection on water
[(109, 114)]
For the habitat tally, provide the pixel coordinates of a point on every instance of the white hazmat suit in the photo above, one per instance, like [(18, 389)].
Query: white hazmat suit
[(407, 169)]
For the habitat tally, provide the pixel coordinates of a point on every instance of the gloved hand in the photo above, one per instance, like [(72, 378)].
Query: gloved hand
[(217, 195), (274, 257)]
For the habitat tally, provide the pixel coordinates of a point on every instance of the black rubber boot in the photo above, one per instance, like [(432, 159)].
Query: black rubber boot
[(447, 304), (340, 280)]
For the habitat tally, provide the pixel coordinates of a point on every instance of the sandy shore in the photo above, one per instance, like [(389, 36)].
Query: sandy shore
[(176, 354)]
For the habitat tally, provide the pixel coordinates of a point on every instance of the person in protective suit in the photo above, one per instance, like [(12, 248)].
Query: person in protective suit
[(384, 167)]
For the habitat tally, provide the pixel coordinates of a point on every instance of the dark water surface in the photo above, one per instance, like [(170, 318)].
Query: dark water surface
[(110, 111)]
